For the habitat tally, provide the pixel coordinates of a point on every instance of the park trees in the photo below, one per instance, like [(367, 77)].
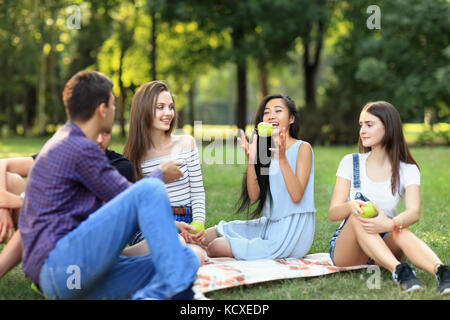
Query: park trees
[(405, 62)]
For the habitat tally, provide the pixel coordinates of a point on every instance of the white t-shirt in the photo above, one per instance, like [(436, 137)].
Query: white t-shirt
[(380, 193)]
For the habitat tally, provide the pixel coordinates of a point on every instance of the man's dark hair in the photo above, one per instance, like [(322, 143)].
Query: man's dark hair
[(84, 92)]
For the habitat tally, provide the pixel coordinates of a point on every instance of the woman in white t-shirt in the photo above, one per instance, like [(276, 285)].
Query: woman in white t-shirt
[(384, 174)]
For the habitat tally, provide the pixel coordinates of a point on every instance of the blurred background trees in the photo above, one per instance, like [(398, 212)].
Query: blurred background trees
[(221, 57)]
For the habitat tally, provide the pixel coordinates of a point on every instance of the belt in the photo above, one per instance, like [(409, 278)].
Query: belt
[(182, 210)]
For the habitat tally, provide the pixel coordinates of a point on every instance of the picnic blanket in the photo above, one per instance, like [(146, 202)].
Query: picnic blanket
[(221, 273)]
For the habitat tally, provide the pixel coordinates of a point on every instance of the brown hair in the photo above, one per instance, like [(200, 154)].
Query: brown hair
[(141, 118), (84, 92), (393, 140)]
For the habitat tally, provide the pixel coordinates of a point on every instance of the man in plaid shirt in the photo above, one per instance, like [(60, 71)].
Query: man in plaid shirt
[(72, 243)]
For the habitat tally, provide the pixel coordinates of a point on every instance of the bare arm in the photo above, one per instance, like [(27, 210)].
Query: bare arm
[(340, 208), (411, 215), (296, 183), (252, 183), (250, 152)]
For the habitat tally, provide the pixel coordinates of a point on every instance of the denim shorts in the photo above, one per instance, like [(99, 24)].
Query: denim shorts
[(335, 236)]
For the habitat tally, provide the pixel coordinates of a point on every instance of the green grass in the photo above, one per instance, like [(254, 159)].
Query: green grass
[(223, 185)]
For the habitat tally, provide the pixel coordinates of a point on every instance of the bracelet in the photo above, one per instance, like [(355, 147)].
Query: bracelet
[(395, 225)]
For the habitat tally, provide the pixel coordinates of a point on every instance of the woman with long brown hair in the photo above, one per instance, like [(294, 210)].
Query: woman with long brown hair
[(383, 173), (151, 144)]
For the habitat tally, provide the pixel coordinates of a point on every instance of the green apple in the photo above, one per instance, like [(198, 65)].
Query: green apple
[(264, 129), (34, 288), (198, 225), (368, 210)]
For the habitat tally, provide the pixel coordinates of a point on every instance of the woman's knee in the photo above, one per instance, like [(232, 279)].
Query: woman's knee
[(355, 223), (400, 237), (15, 183), (219, 248), (201, 254), (210, 235)]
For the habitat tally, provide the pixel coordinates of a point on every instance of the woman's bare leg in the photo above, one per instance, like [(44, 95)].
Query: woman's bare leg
[(11, 254), (210, 235), (219, 247), (15, 183), (417, 251), (201, 254), (141, 248), (138, 249), (354, 245)]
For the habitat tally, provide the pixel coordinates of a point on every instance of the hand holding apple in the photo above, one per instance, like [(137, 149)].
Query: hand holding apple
[(368, 210), (198, 225)]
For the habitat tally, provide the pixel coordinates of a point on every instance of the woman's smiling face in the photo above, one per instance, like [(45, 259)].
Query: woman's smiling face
[(164, 112), (277, 114)]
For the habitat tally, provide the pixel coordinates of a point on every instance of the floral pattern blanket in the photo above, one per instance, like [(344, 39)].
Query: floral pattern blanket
[(221, 273)]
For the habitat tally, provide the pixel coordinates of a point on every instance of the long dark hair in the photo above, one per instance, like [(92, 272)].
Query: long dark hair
[(141, 118), (263, 156), (393, 140)]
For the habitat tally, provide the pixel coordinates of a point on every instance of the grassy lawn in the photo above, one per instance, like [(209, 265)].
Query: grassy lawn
[(223, 183)]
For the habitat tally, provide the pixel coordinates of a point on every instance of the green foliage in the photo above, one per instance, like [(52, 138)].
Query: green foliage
[(431, 137), (198, 45)]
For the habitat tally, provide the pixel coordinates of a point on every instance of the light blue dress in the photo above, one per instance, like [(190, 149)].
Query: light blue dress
[(286, 229)]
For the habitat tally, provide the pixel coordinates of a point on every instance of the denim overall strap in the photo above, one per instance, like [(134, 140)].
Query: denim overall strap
[(356, 180)]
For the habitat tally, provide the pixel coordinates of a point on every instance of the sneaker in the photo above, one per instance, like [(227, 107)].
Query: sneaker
[(405, 277), (443, 279)]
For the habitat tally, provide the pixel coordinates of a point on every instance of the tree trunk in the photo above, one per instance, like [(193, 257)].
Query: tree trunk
[(42, 85), (241, 108), (242, 95), (153, 44), (52, 67), (122, 96), (53, 84), (263, 90), (311, 65), (10, 115), (191, 94), (311, 121)]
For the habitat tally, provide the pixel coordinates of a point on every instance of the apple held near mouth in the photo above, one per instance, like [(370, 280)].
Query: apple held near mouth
[(198, 225), (368, 210), (264, 129)]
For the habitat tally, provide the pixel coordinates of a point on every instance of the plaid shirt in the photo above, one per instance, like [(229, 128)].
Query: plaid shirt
[(70, 179)]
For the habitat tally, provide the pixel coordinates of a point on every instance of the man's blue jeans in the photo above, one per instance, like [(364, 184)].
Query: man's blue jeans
[(86, 263)]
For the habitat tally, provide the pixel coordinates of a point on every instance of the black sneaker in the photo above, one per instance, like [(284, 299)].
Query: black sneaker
[(405, 277), (443, 279)]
